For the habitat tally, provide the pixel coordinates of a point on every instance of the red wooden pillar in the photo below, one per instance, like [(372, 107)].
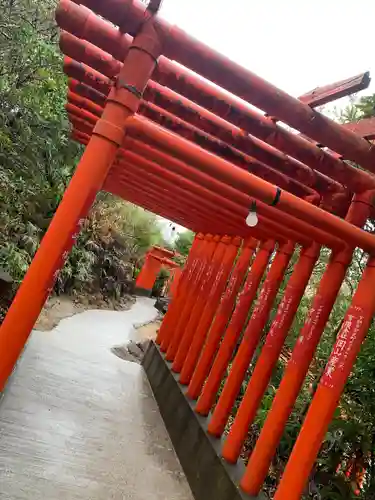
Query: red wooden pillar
[(270, 353), (250, 339), (194, 315), (347, 346), (221, 319), (203, 268), (234, 328), (302, 355), (173, 310), (173, 282), (88, 179), (173, 268), (210, 308)]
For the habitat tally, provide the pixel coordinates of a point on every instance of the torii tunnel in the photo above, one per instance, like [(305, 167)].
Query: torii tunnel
[(171, 125)]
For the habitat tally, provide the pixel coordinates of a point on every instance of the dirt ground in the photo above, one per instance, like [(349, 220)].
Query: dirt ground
[(147, 332), (64, 306)]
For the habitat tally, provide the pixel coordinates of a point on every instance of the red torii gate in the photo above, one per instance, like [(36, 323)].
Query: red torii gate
[(156, 257), (165, 138)]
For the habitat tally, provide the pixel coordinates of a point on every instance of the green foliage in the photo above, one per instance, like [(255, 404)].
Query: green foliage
[(37, 160), (183, 242), (109, 248), (355, 110), (366, 106), (36, 156), (160, 282)]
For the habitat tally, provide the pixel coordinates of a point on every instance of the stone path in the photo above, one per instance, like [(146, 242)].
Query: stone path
[(77, 422)]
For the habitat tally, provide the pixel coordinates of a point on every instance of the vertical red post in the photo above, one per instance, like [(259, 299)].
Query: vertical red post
[(302, 355), (233, 331), (210, 308), (174, 307), (205, 250), (195, 313), (198, 279), (347, 346), (295, 372), (270, 353), (250, 339), (88, 179), (221, 319), (176, 275)]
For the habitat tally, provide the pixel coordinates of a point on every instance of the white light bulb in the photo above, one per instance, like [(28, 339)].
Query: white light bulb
[(252, 219)]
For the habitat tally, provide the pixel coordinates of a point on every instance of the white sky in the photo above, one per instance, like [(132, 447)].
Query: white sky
[(296, 45), (322, 41)]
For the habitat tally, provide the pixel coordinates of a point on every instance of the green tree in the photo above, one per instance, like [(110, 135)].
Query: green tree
[(38, 158), (183, 242), (366, 106)]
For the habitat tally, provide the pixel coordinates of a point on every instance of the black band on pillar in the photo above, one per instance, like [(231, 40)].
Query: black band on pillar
[(133, 90), (277, 197)]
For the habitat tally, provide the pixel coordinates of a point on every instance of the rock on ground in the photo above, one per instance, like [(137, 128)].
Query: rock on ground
[(134, 350)]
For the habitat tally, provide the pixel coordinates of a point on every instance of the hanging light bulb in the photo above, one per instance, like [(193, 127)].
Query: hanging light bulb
[(252, 218)]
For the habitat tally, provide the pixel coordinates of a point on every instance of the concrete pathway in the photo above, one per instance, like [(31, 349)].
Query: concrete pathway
[(76, 422)]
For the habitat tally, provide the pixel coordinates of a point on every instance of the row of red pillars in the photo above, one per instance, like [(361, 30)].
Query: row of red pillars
[(210, 339)]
